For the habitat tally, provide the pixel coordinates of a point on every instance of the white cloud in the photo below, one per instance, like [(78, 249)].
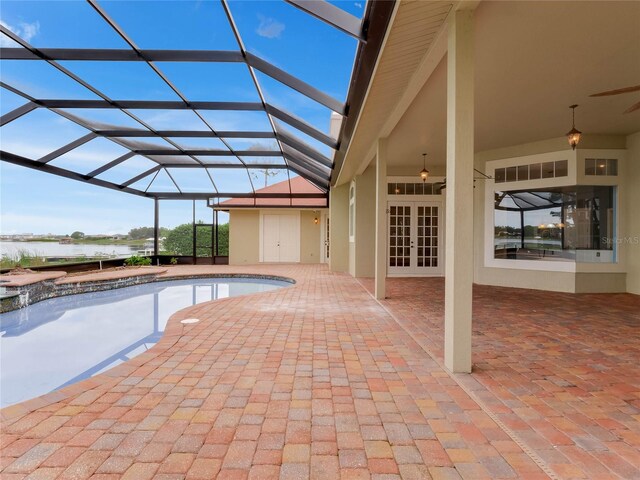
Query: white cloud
[(358, 4), (269, 27), (24, 30)]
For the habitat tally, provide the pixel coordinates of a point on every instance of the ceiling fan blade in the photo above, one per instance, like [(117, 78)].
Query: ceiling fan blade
[(633, 108), (617, 91)]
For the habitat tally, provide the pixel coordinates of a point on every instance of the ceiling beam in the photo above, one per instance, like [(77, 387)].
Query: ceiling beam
[(305, 149), (257, 195), (17, 113), (111, 164), (123, 133), (295, 83), (123, 55), (208, 152), (332, 15), (149, 104), (144, 174), (67, 148), (61, 172), (302, 126), (261, 166)]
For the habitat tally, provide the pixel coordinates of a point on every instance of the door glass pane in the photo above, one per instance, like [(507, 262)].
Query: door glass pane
[(399, 236), (427, 237)]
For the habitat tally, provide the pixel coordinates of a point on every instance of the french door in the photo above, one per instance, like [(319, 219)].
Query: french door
[(415, 238), (280, 238)]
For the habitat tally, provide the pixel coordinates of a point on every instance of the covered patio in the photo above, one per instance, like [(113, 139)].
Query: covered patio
[(319, 380)]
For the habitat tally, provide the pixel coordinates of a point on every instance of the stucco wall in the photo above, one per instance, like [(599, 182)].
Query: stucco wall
[(309, 236), (244, 237), (364, 252), (339, 228), (541, 280), (630, 204)]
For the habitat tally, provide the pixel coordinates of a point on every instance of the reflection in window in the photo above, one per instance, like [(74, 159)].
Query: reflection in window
[(560, 224)]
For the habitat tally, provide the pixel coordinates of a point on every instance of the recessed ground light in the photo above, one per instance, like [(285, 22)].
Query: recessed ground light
[(190, 320)]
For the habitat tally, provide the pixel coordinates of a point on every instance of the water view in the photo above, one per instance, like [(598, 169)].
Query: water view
[(55, 249)]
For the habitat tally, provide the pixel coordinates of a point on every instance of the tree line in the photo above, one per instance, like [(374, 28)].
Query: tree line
[(179, 241)]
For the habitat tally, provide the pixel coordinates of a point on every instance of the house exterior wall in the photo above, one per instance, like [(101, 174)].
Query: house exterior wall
[(245, 236), (309, 236), (584, 277), (578, 278)]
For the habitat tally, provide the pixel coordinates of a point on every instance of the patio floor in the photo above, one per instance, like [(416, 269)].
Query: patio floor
[(318, 380)]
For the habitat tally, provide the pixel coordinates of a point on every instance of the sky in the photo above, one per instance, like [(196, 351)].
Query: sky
[(35, 202)]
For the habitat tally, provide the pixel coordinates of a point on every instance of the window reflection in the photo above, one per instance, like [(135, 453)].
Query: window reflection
[(561, 224)]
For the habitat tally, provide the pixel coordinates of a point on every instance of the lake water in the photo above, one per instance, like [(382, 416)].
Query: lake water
[(53, 249)]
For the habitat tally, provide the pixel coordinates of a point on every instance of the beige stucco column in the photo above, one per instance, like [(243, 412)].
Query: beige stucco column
[(459, 203), (381, 219), (339, 228)]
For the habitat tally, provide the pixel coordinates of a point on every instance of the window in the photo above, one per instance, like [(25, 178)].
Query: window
[(418, 188), (601, 166), (535, 171), (559, 224), (352, 213)]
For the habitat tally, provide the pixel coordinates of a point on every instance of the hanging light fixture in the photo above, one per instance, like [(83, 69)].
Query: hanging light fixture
[(574, 134), (424, 174)]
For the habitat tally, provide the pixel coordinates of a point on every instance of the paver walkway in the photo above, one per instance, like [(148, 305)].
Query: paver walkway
[(312, 381), (561, 371)]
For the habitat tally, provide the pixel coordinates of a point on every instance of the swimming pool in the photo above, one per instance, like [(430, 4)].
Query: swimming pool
[(63, 340)]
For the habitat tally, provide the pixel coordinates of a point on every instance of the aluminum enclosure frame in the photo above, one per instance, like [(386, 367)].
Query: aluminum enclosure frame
[(299, 157)]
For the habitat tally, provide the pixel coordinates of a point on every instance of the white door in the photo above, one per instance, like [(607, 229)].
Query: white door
[(289, 238), (280, 238), (324, 240), (271, 238), (415, 238)]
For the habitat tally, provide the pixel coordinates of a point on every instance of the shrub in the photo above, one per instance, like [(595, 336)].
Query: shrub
[(173, 261), (135, 260)]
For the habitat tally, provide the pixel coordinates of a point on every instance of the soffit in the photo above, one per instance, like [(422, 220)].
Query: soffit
[(415, 27)]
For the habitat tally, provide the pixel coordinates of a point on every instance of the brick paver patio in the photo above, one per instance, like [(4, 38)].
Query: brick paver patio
[(560, 371), (319, 381)]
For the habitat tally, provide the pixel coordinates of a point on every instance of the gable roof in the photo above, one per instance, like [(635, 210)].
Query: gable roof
[(299, 186)]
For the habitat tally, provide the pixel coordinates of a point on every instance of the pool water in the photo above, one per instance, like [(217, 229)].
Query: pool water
[(63, 340)]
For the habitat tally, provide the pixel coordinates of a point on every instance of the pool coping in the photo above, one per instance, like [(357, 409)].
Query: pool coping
[(48, 288), (172, 333)]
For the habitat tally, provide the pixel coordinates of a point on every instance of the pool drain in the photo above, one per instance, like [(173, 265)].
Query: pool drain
[(190, 320)]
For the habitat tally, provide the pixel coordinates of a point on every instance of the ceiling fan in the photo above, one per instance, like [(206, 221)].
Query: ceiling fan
[(619, 91), (439, 186)]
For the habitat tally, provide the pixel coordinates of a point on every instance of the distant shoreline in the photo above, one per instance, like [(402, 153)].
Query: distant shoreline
[(82, 241)]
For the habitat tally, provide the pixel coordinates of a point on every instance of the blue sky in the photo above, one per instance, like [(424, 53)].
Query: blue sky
[(31, 201)]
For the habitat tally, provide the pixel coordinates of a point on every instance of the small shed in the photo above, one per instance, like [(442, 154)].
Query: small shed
[(291, 229)]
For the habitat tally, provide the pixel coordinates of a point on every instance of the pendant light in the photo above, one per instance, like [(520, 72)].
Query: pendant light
[(424, 174), (574, 134)]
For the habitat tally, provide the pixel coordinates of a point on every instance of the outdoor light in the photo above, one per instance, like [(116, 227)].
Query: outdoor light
[(316, 221), (424, 174), (574, 134)]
